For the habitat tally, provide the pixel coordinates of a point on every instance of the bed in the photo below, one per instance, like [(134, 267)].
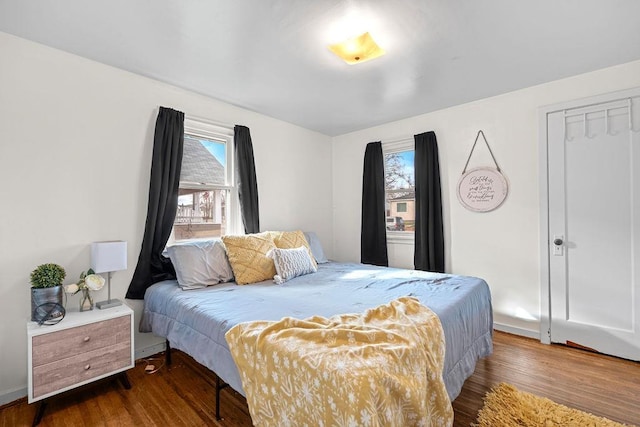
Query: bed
[(196, 321)]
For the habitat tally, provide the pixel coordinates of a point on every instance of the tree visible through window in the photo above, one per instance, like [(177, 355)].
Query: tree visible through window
[(400, 190)]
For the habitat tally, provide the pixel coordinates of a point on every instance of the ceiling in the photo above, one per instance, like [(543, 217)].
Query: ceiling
[(271, 56)]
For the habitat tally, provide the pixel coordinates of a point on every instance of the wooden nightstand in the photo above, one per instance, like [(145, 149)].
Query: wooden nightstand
[(83, 347)]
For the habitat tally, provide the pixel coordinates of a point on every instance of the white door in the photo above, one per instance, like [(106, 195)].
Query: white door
[(594, 224)]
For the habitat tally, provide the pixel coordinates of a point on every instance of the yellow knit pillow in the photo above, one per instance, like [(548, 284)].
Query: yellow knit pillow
[(292, 240), (248, 257)]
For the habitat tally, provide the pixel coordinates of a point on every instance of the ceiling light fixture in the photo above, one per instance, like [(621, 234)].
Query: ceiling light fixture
[(357, 49)]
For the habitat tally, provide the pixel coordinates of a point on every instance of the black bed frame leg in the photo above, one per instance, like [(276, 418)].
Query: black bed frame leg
[(218, 388), (219, 384)]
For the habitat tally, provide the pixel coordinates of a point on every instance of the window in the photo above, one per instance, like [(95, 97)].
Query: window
[(207, 201), (400, 189)]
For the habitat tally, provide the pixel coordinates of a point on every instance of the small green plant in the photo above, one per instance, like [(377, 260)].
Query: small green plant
[(47, 276)]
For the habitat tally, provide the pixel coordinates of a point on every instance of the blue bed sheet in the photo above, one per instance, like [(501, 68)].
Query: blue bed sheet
[(196, 321)]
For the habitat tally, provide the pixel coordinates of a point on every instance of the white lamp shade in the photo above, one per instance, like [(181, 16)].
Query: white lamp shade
[(109, 256)]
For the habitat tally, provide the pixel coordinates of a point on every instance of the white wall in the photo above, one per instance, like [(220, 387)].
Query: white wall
[(75, 154), (500, 246)]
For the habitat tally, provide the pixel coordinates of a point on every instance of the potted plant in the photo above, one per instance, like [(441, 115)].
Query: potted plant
[(46, 292)]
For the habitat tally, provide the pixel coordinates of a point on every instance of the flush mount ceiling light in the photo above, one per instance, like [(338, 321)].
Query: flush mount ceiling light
[(357, 49)]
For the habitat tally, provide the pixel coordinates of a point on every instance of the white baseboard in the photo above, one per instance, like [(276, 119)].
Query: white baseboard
[(141, 353), (529, 333), (13, 396)]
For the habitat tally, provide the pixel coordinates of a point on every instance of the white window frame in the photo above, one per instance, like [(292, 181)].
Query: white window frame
[(201, 128), (390, 147)]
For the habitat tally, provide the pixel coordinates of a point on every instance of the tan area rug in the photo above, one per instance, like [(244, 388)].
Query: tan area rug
[(506, 406)]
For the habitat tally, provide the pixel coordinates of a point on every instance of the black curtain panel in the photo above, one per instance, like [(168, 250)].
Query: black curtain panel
[(166, 163), (373, 236), (429, 239), (247, 181)]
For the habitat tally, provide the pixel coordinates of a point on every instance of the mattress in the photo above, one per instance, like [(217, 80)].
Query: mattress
[(196, 321)]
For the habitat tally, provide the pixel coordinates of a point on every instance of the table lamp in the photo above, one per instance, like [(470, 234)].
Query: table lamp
[(107, 257)]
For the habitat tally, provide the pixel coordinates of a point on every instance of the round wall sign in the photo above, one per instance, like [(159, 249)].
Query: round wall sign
[(482, 189)]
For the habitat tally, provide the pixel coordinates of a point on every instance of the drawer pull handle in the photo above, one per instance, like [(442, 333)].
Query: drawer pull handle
[(87, 367), (86, 339)]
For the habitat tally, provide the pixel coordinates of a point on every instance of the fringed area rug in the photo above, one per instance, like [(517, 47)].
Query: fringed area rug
[(506, 406)]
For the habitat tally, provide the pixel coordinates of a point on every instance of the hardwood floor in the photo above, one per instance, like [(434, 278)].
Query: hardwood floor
[(183, 395), (602, 385)]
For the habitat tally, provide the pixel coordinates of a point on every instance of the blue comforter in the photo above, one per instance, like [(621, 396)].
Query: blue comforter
[(196, 321)]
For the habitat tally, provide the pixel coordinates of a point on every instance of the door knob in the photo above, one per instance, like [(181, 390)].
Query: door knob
[(557, 241)]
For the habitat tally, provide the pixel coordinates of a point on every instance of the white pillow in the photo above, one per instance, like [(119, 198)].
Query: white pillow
[(200, 264), (316, 247), (291, 263)]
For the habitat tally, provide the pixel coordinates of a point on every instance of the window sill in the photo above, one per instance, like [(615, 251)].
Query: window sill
[(400, 238)]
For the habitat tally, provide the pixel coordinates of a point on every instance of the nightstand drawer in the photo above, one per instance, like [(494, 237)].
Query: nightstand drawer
[(82, 367), (72, 342)]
